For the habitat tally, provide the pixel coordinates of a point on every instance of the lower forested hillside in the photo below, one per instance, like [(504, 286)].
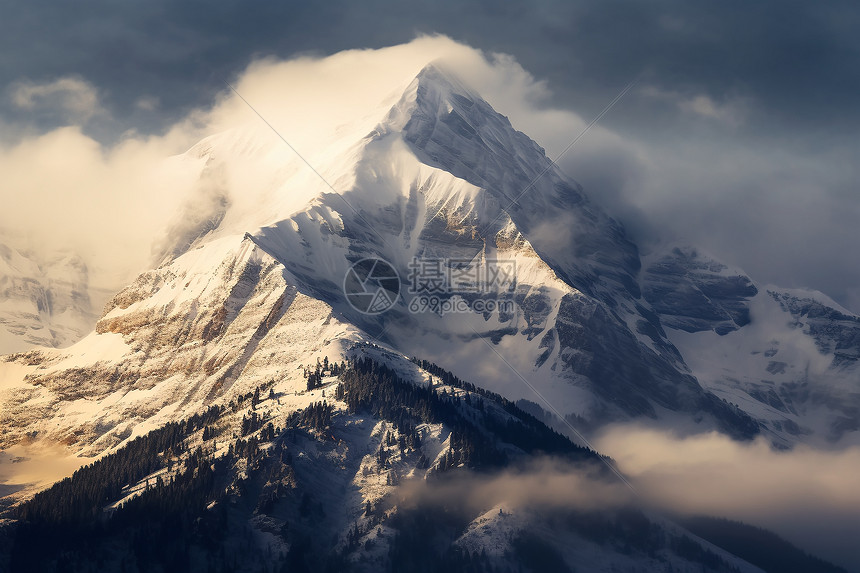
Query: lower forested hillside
[(259, 485)]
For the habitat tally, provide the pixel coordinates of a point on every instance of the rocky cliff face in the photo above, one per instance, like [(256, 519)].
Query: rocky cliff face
[(789, 358), (693, 292), (174, 341), (836, 331)]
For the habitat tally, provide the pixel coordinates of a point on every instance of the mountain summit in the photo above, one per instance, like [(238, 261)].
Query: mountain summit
[(251, 289)]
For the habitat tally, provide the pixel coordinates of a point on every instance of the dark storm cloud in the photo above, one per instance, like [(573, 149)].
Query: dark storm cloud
[(795, 60)]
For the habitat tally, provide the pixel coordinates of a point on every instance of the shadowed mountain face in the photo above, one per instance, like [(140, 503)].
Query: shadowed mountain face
[(694, 293), (788, 358), (454, 129)]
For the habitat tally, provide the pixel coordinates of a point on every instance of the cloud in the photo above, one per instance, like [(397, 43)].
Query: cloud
[(782, 216), (808, 496), (542, 483), (63, 191), (35, 466), (731, 112), (798, 65), (147, 103), (71, 94)]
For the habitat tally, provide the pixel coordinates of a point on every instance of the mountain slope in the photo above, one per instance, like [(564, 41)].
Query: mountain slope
[(352, 484), (176, 339), (789, 358)]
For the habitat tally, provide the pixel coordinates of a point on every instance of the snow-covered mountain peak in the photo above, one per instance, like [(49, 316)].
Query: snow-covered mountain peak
[(449, 126), (436, 91), (438, 138), (252, 282)]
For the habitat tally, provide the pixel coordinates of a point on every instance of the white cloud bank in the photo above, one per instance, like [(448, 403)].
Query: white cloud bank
[(808, 496)]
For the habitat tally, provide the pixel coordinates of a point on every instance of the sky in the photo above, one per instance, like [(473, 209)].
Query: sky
[(739, 136)]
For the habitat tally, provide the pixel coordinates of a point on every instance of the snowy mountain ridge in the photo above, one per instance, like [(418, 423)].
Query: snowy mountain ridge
[(251, 288)]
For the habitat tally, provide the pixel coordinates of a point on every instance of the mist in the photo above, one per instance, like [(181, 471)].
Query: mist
[(808, 496), (543, 483), (64, 192)]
